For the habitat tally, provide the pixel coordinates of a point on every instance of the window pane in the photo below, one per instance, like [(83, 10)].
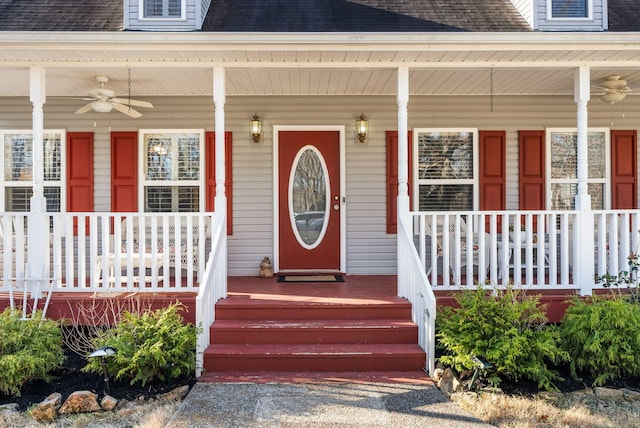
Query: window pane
[(597, 155), (562, 196), (18, 198), (596, 190), (445, 155), (162, 8), (188, 199), (162, 151), (175, 7), (563, 155), (159, 152), (188, 158), (18, 149), (569, 8), (439, 197), (18, 162), (152, 8), (172, 199), (157, 199)]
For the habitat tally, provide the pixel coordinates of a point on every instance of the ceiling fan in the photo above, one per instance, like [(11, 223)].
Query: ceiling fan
[(613, 89), (103, 101)]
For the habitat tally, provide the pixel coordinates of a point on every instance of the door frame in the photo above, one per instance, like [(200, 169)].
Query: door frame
[(276, 197)]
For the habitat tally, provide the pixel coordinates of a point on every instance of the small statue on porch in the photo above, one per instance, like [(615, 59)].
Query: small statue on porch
[(266, 269)]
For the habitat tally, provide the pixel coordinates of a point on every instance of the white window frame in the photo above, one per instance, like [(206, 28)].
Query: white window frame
[(475, 181), (4, 183), (142, 158), (182, 17), (606, 180), (589, 16)]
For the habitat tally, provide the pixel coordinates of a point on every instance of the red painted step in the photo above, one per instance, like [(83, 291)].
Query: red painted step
[(388, 308), (313, 331), (322, 357)]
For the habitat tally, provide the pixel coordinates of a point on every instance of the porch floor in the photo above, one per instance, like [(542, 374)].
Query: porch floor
[(354, 289)]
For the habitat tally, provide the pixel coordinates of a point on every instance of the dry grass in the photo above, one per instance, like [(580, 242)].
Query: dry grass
[(510, 411)]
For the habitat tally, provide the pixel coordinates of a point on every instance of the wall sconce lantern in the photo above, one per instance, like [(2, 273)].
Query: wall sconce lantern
[(255, 125), (362, 129)]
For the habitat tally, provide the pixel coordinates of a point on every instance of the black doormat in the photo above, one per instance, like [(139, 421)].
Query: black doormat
[(311, 278)]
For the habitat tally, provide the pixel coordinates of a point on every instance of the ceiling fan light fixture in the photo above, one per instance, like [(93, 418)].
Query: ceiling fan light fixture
[(612, 97), (101, 106)]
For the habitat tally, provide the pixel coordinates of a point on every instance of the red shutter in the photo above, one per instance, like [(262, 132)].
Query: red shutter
[(493, 171), (124, 171), (392, 179), (624, 171), (211, 175), (532, 170), (80, 183)]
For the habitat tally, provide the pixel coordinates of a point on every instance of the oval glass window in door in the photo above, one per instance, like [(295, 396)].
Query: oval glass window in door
[(308, 197)]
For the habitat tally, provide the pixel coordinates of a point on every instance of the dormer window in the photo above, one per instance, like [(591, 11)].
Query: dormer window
[(570, 9), (162, 9)]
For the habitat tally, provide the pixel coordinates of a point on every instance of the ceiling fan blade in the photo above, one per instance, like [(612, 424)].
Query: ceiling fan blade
[(126, 110), (84, 109), (137, 103)]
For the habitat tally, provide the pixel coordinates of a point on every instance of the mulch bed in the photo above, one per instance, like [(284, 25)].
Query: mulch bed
[(70, 378)]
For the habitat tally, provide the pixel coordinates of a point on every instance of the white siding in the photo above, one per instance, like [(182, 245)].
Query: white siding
[(597, 23), (370, 249), (525, 7), (204, 7), (192, 22)]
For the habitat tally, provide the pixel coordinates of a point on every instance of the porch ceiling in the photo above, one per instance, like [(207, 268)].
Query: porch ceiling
[(177, 65)]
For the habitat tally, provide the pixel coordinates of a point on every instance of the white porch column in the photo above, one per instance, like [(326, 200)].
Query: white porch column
[(219, 98), (583, 264), (581, 97), (403, 148), (37, 254), (220, 201)]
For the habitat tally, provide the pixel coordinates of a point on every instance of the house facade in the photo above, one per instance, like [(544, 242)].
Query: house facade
[(480, 117)]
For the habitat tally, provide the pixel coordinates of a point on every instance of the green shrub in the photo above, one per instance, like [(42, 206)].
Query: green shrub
[(29, 349), (154, 344), (508, 329), (602, 335)]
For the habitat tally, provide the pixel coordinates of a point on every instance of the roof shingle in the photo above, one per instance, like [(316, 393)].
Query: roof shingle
[(363, 16), (61, 15), (351, 16), (624, 15)]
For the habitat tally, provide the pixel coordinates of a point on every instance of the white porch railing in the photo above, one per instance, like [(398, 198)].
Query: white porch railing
[(532, 249), (414, 286), (212, 288), (617, 236), (112, 252)]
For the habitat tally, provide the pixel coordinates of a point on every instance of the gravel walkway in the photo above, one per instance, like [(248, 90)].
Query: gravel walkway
[(339, 404)]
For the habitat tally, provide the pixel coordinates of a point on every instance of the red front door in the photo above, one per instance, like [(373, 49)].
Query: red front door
[(309, 200)]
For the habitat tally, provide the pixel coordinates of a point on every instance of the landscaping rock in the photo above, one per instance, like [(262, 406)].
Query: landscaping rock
[(108, 403), (437, 374), (608, 394), (550, 397), (9, 408), (581, 396), (450, 384), (80, 402), (47, 410), (176, 394), (630, 395)]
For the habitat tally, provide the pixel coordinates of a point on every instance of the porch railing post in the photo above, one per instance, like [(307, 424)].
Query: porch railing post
[(403, 161), (583, 239), (37, 254), (583, 252)]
